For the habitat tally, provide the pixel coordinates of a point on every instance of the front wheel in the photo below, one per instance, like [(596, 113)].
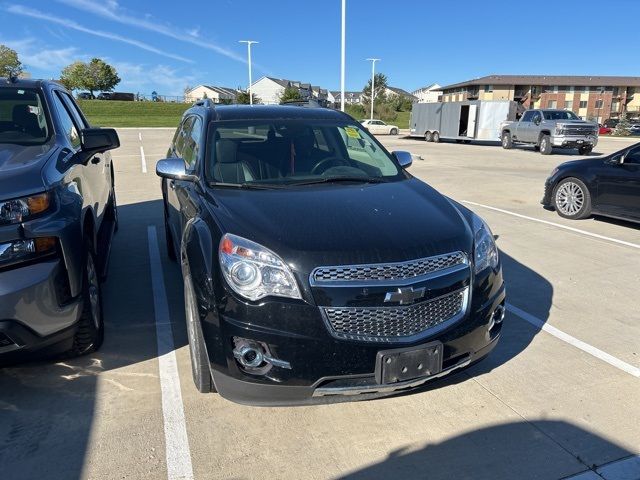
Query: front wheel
[(428, 137), (394, 131), (585, 150), (545, 145), (200, 368), (571, 199), (507, 141)]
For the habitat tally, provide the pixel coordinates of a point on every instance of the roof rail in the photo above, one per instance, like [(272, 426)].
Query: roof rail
[(204, 102), (310, 103)]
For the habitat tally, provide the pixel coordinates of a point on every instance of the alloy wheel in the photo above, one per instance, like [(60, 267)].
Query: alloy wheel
[(94, 291), (570, 198)]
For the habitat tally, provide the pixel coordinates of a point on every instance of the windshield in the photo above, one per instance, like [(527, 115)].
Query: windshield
[(22, 117), (286, 152), (560, 115)]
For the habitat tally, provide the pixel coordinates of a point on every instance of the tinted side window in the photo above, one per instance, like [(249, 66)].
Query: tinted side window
[(68, 127), (73, 108), (191, 148), (527, 117), (182, 135), (633, 156)]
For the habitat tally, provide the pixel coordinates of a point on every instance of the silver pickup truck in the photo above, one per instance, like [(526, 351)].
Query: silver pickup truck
[(547, 128)]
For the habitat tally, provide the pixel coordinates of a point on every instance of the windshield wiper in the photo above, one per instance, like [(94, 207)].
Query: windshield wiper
[(341, 179), (246, 185)]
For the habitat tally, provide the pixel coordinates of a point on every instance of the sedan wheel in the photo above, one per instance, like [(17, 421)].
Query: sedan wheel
[(572, 199)]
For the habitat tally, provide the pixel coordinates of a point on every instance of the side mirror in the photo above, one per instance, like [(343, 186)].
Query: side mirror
[(536, 120), (404, 158), (173, 169), (617, 159), (99, 139)]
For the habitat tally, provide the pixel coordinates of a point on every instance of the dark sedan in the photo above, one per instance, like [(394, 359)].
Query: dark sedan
[(607, 186)]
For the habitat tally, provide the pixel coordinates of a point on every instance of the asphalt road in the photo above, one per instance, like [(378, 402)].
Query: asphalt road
[(558, 396)]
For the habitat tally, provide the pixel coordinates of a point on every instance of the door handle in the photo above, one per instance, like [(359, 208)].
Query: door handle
[(95, 160), (172, 185)]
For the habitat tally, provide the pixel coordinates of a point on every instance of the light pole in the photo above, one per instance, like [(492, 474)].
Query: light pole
[(373, 81), (342, 57), (249, 43)]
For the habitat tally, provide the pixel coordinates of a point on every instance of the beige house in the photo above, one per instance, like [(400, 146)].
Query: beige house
[(429, 94), (269, 90), (590, 97), (216, 94)]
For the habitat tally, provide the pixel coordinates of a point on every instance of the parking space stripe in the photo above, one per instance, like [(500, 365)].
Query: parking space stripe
[(546, 222), (140, 136), (565, 337), (143, 160), (178, 454)]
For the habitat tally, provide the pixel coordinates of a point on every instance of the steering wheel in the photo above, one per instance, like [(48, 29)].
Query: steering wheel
[(324, 165)]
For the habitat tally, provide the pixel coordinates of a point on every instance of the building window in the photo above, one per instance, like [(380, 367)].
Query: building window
[(598, 103), (488, 88), (615, 106), (555, 89), (552, 104), (568, 105), (583, 104), (586, 89)]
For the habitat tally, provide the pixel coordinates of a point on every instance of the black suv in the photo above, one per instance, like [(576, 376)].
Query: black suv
[(57, 216), (314, 264)]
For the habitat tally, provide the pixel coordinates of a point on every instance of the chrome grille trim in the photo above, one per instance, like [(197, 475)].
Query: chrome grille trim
[(398, 323), (388, 273)]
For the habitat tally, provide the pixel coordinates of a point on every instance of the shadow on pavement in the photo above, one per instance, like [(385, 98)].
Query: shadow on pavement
[(518, 450), (48, 408)]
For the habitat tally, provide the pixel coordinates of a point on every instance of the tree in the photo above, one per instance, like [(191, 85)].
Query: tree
[(622, 128), (380, 87), (290, 94), (10, 65), (92, 76), (242, 98)]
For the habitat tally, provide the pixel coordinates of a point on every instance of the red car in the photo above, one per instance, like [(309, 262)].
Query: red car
[(604, 130)]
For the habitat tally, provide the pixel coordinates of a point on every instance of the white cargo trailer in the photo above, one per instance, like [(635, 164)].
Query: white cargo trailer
[(462, 121)]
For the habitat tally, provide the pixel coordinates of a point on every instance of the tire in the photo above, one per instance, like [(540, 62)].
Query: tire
[(436, 137), (90, 331), (571, 199), (507, 141), (200, 368), (394, 131), (545, 145), (585, 150), (428, 137)]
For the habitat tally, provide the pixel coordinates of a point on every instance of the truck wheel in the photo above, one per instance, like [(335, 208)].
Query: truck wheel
[(200, 368), (571, 199), (394, 131), (90, 330), (545, 145), (507, 141), (585, 150), (436, 137), (428, 137)]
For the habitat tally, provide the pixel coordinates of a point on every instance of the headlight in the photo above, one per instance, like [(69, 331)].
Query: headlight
[(485, 252), (559, 131), (23, 250), (253, 271), (20, 209)]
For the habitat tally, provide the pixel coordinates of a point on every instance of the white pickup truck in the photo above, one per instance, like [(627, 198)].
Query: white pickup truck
[(546, 129)]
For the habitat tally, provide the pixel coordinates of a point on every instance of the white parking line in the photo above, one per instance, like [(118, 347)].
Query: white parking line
[(143, 160), (140, 135), (565, 337), (175, 429), (571, 229)]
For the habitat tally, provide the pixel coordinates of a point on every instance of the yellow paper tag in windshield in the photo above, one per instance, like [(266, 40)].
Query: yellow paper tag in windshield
[(352, 132)]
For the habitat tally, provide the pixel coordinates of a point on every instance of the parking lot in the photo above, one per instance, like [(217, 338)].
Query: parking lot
[(558, 396)]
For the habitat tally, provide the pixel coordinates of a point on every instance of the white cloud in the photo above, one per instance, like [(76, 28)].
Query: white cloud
[(32, 55), (30, 12), (144, 79), (112, 11)]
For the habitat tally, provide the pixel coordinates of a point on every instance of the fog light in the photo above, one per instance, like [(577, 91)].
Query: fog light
[(255, 357), (497, 316)]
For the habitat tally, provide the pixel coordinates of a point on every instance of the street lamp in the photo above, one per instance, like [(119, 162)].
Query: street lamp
[(342, 53), (249, 43), (373, 81)]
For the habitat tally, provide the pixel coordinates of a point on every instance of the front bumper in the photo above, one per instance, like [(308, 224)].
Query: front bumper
[(567, 141), (31, 314), (323, 367)]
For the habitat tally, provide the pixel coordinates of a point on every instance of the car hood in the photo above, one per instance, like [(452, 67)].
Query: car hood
[(339, 224), (20, 168)]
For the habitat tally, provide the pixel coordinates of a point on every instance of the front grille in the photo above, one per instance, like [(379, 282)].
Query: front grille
[(579, 131), (389, 324), (388, 271)]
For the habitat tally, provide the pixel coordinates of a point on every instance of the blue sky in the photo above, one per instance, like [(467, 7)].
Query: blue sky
[(165, 46)]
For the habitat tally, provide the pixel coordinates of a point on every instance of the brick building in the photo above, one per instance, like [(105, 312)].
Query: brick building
[(590, 97)]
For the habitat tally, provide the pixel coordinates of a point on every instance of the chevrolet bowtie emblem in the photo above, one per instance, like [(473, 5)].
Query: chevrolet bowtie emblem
[(404, 296)]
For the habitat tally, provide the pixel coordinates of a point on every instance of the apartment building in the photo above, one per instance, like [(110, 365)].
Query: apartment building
[(590, 97)]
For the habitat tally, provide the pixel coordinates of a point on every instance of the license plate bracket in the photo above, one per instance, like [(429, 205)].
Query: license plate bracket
[(402, 364)]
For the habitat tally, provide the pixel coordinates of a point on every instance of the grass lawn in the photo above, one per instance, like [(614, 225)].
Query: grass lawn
[(114, 113), (402, 119)]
